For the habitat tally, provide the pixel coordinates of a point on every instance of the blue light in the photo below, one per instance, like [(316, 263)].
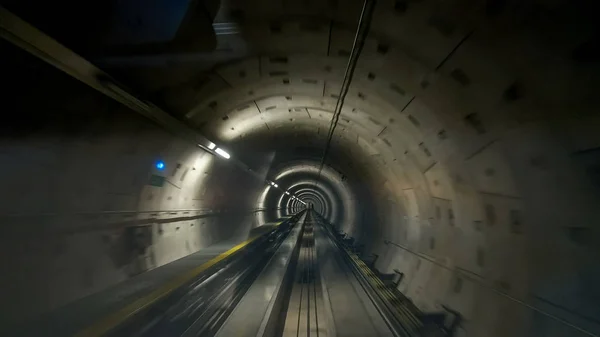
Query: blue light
[(160, 165)]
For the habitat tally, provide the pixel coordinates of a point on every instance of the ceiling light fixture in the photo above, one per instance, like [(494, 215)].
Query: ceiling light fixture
[(222, 153)]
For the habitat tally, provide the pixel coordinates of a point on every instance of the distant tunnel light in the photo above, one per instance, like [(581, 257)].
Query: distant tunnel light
[(286, 192), (275, 185), (211, 145), (160, 165), (222, 153)]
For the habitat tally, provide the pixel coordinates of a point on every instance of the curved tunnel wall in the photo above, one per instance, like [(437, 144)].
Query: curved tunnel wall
[(85, 205), (470, 134)]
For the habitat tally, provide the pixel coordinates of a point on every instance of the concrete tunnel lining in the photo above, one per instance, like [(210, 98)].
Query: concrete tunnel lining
[(457, 169), (340, 202)]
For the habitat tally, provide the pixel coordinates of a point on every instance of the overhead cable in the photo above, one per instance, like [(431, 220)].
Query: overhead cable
[(362, 31)]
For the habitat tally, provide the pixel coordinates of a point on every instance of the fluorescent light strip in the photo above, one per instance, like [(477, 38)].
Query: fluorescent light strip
[(222, 153)]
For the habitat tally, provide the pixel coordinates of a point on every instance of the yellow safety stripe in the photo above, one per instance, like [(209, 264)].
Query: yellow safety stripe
[(109, 322)]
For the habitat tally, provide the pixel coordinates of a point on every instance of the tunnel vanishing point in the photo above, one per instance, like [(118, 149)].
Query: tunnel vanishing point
[(454, 145)]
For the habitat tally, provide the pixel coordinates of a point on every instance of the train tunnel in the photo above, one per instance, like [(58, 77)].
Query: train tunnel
[(455, 143)]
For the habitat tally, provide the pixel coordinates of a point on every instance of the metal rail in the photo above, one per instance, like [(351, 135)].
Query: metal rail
[(306, 294), (160, 311), (402, 318)]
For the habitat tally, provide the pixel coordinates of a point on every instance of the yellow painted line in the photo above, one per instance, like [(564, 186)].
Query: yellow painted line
[(111, 321)]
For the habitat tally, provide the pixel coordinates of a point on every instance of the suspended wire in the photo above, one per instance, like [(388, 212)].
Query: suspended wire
[(362, 30)]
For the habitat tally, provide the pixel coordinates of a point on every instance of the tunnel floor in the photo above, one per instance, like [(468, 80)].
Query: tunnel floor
[(304, 286)]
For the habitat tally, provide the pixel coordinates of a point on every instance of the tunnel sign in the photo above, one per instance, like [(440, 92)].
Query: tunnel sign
[(156, 180)]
